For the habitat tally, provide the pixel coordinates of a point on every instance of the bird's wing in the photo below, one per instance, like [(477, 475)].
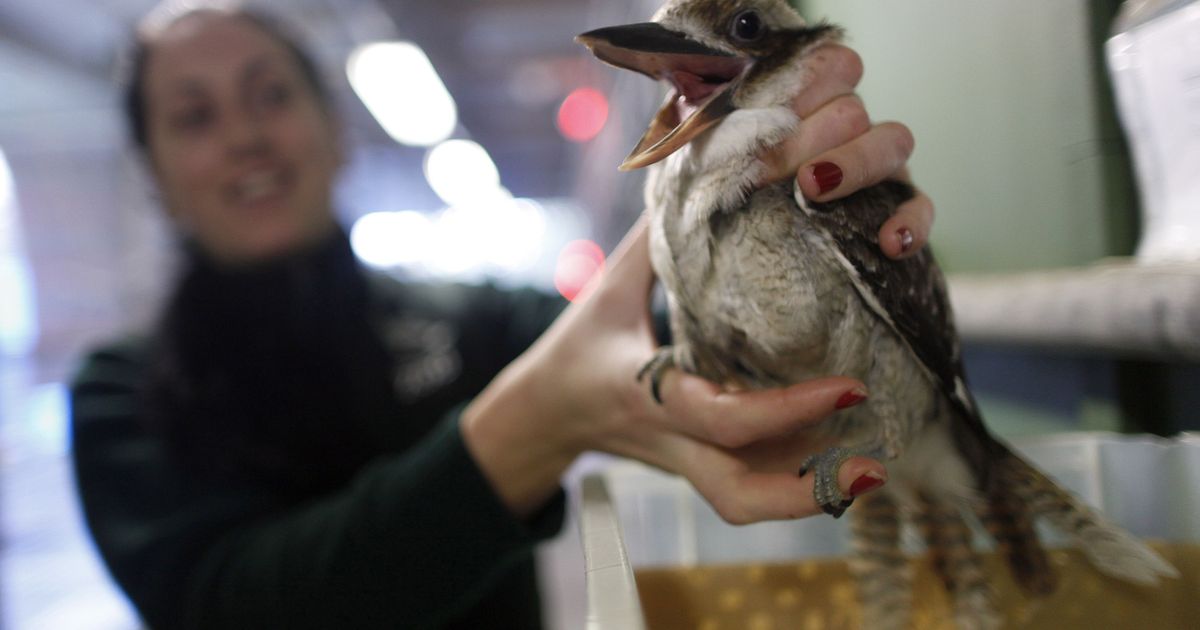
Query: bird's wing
[(909, 295)]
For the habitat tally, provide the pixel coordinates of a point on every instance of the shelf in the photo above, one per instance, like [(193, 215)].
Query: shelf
[(1115, 307)]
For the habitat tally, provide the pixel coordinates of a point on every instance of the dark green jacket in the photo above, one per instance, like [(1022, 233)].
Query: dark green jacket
[(416, 539)]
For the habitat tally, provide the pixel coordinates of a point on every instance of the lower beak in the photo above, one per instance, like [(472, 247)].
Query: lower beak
[(705, 81)]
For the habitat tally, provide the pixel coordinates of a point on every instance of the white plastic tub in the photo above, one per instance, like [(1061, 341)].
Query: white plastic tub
[(654, 549)]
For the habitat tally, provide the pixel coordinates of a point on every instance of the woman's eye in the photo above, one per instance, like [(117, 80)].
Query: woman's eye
[(747, 26), (192, 119), (275, 95)]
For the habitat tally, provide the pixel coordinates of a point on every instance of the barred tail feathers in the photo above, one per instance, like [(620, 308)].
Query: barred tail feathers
[(1114, 551), (1009, 520)]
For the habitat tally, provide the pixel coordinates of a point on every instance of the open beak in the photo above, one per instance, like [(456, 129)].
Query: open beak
[(705, 81)]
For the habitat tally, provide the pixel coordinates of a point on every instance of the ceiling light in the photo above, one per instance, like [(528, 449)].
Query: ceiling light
[(399, 86), (18, 306), (391, 239), (461, 172)]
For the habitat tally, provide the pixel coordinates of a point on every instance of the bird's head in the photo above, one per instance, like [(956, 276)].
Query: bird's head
[(718, 55)]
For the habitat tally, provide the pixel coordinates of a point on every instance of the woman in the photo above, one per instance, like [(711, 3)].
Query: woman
[(289, 447)]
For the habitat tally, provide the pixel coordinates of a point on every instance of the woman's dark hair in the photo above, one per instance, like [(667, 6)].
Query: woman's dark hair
[(134, 97)]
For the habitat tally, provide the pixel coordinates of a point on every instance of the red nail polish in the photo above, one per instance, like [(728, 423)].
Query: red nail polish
[(906, 239), (828, 176), (851, 398), (865, 483)]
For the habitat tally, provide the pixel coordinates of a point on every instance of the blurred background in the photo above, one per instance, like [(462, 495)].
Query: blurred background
[(506, 172)]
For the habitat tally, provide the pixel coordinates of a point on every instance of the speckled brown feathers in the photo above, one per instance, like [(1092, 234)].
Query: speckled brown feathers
[(913, 294)]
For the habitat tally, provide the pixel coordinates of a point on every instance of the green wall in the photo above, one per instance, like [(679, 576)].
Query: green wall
[(1016, 140), (1018, 145)]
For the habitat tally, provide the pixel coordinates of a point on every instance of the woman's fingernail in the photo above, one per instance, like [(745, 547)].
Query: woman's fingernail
[(852, 397), (867, 482), (827, 175), (906, 239)]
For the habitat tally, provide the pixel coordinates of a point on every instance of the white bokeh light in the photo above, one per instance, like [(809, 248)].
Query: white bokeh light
[(516, 231), (392, 239), (501, 236), (460, 244), (18, 309), (401, 89), (462, 173)]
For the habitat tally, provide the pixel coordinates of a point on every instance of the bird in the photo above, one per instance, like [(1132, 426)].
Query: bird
[(766, 289)]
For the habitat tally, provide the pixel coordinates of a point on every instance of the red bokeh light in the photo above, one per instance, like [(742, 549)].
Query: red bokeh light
[(578, 262), (582, 114)]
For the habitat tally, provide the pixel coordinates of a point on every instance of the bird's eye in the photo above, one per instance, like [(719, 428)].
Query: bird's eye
[(747, 26)]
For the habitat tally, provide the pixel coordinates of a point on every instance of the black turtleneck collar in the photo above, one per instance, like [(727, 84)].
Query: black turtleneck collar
[(293, 288), (273, 369)]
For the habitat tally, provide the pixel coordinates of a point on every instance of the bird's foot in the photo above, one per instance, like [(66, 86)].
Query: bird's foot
[(663, 360), (824, 466)]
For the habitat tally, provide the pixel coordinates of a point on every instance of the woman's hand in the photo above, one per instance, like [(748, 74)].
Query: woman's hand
[(838, 151), (575, 389), (741, 450)]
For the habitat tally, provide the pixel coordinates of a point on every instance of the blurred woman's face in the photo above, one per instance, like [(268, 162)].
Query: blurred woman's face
[(243, 153)]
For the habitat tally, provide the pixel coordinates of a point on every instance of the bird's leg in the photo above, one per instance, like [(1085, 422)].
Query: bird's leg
[(948, 539), (824, 466), (878, 562), (663, 360)]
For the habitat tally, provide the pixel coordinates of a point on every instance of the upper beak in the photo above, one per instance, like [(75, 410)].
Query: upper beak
[(705, 81)]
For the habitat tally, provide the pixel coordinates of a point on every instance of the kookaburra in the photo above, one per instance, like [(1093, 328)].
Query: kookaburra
[(765, 289)]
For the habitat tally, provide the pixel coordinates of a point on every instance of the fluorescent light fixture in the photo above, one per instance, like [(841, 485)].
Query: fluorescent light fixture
[(461, 243), (500, 235), (18, 312), (517, 231), (392, 239), (399, 86), (46, 417), (461, 172), (7, 198), (18, 309)]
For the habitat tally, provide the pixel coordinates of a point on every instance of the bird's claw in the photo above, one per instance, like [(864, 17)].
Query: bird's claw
[(664, 359), (825, 466)]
